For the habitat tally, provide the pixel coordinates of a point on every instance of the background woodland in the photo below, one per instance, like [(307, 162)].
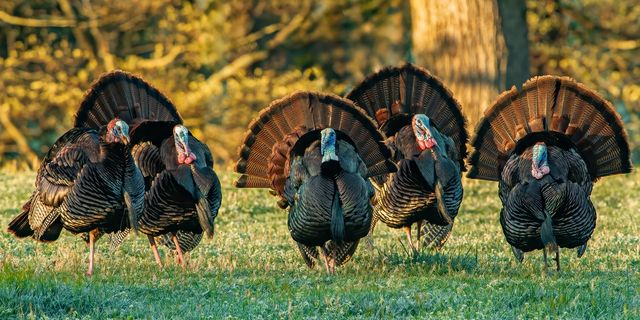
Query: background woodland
[(222, 61)]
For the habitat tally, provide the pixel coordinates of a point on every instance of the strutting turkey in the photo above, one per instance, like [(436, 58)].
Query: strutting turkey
[(184, 193), (426, 130), (546, 144), (316, 151)]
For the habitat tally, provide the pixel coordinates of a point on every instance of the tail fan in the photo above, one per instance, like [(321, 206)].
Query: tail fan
[(126, 96), (558, 111), (435, 236), (394, 94), (313, 112), (278, 167)]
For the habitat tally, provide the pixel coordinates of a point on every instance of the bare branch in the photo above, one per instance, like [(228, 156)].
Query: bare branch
[(246, 60), (160, 62), (103, 45), (284, 33), (37, 23), (622, 44), (65, 6), (230, 69)]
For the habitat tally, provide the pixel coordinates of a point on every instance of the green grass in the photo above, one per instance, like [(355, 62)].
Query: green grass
[(251, 269)]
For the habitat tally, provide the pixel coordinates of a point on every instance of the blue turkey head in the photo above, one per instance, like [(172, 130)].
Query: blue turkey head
[(422, 130), (181, 139), (328, 145), (539, 163), (117, 131)]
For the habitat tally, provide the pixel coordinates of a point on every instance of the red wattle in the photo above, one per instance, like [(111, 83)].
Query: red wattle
[(431, 142), (422, 145)]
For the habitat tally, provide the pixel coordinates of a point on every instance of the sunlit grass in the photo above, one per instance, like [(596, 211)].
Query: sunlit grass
[(251, 269)]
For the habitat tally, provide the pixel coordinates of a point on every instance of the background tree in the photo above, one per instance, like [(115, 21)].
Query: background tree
[(460, 42), (221, 61), (513, 23)]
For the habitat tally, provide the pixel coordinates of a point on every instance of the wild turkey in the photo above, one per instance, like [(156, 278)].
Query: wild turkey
[(40, 217), (87, 182), (165, 153), (184, 193), (316, 151), (546, 144), (426, 130)]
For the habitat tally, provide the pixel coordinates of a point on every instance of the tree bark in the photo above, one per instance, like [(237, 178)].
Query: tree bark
[(460, 42), (513, 14)]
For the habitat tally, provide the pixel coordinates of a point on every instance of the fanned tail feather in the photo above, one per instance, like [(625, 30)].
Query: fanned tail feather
[(394, 94), (126, 96), (557, 111), (278, 166), (311, 111)]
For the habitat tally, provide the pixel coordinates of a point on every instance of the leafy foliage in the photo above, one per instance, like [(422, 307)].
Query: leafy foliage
[(221, 61), (595, 42)]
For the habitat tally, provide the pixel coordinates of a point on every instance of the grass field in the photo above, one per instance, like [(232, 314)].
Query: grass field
[(251, 270)]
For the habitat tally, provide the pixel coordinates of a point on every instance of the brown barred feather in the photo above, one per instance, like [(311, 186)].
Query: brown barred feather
[(551, 108), (344, 252), (308, 253), (186, 239), (278, 165), (436, 236)]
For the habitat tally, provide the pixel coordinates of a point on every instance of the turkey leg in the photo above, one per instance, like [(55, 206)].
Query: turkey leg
[(419, 231), (154, 248), (407, 231), (92, 239), (178, 250), (325, 255)]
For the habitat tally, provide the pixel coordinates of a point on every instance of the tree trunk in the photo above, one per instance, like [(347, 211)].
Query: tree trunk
[(460, 42), (513, 14)]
